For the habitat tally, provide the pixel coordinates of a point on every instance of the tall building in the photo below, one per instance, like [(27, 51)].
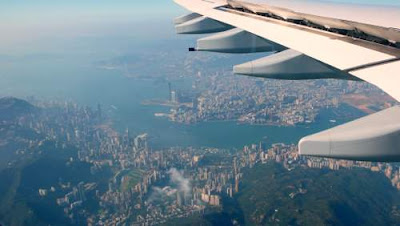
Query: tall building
[(170, 90), (140, 141), (214, 200), (126, 137), (127, 132), (99, 111), (235, 170), (174, 97), (229, 191), (179, 200), (236, 183)]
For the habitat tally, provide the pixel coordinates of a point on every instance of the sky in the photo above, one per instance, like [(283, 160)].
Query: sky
[(25, 24), (25, 9)]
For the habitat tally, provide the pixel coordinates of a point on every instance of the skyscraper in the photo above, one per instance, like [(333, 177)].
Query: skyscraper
[(179, 200), (170, 91), (99, 111), (174, 98), (236, 183)]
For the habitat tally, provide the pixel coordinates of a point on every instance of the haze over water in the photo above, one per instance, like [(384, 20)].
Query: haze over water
[(61, 63), (77, 80)]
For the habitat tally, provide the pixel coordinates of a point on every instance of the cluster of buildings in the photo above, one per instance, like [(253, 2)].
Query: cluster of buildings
[(138, 173), (288, 156), (260, 101), (154, 186)]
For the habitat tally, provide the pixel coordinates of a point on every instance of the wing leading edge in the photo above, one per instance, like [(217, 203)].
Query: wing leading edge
[(325, 47)]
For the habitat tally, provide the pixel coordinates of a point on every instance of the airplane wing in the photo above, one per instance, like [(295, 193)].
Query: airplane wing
[(313, 40)]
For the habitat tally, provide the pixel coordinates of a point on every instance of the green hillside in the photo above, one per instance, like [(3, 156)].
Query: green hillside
[(272, 195), (12, 108)]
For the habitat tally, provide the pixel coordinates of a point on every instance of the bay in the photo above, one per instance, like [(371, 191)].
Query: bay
[(121, 97)]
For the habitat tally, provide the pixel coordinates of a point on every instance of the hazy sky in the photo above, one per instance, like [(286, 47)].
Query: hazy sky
[(27, 23), (24, 9)]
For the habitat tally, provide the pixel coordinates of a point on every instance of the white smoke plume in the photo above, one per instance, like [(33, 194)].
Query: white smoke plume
[(182, 183), (178, 183), (159, 193)]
